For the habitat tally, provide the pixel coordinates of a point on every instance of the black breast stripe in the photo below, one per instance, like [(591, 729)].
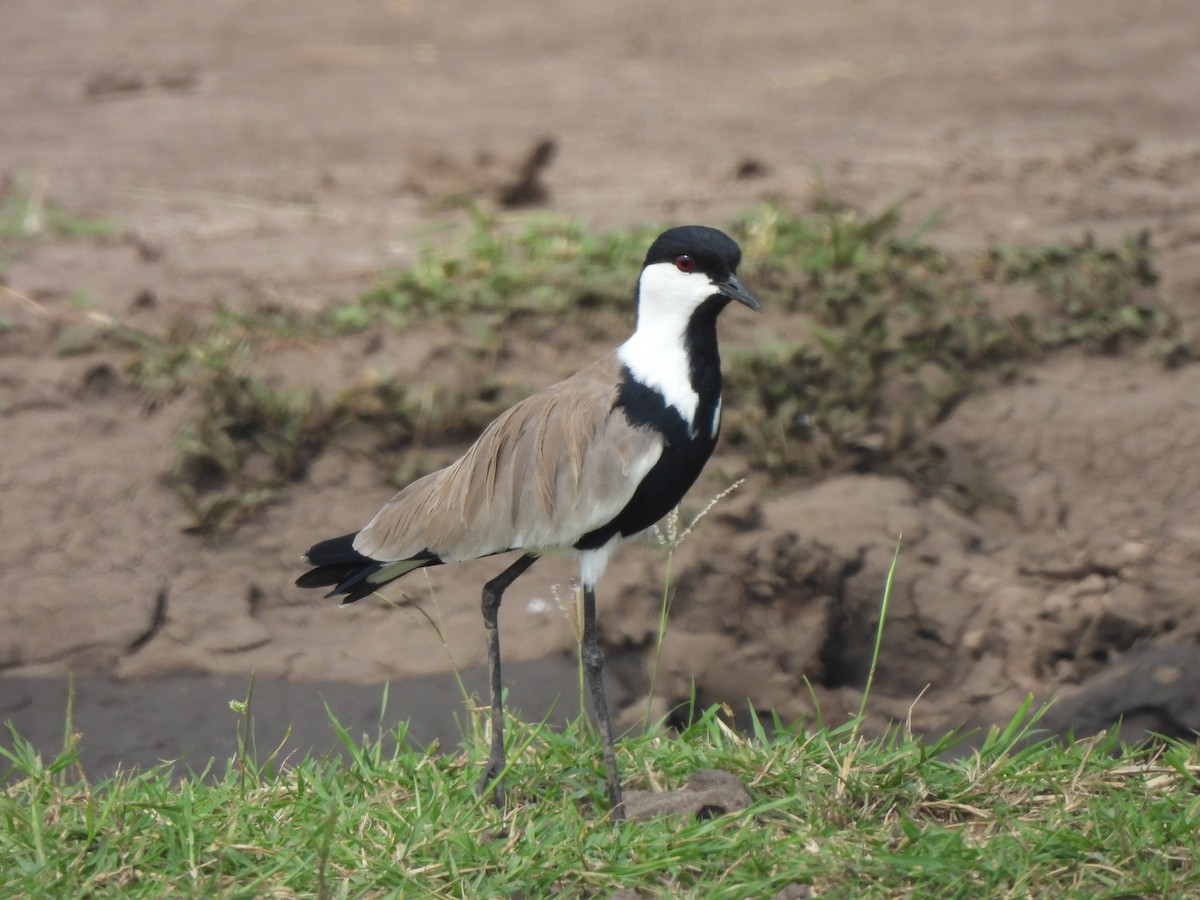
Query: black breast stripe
[(685, 451)]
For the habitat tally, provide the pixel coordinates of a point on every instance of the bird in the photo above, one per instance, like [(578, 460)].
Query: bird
[(580, 466)]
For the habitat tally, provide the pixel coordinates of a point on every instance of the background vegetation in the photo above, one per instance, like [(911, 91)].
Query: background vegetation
[(876, 335)]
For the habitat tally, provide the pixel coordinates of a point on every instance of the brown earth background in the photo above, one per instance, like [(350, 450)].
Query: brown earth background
[(274, 154)]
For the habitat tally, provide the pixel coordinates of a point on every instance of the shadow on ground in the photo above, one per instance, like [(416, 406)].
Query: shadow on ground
[(189, 721)]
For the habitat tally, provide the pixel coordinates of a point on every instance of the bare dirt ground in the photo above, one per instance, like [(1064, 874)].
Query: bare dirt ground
[(283, 154)]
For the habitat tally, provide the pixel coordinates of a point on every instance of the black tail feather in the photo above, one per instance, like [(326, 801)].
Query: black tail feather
[(324, 576), (335, 550), (336, 563), (358, 587)]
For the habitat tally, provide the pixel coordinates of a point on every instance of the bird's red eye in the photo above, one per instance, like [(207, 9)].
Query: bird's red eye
[(684, 263)]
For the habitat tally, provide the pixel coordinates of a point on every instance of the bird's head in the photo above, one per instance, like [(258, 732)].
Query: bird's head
[(689, 267)]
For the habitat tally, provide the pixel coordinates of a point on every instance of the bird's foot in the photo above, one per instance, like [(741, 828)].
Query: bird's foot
[(492, 778)]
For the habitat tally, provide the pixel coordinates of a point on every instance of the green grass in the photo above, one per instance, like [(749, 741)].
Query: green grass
[(25, 213), (547, 266), (833, 811), (845, 815)]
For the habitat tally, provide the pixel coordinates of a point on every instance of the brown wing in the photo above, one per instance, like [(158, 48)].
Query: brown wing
[(554, 467)]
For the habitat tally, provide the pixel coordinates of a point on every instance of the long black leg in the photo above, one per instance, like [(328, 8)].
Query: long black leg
[(593, 666), (493, 593)]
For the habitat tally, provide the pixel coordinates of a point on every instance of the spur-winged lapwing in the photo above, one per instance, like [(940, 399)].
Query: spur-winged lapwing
[(581, 465)]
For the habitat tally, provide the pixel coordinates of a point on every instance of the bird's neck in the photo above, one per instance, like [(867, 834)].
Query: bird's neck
[(678, 358)]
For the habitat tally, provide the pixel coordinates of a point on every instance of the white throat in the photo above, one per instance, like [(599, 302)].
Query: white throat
[(656, 354)]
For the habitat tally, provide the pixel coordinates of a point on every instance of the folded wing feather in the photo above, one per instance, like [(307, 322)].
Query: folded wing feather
[(554, 467)]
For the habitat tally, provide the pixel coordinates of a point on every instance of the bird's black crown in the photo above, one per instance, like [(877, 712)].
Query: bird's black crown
[(714, 252)]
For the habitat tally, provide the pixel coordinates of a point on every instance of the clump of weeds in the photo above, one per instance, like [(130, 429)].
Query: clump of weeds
[(27, 213), (889, 332), (245, 443)]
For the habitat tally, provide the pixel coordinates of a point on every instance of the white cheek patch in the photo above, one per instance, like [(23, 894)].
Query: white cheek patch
[(668, 294)]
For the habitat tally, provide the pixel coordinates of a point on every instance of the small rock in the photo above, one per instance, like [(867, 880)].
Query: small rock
[(750, 168), (974, 641), (145, 299), (528, 188), (106, 83), (794, 892), (707, 793), (1152, 690)]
